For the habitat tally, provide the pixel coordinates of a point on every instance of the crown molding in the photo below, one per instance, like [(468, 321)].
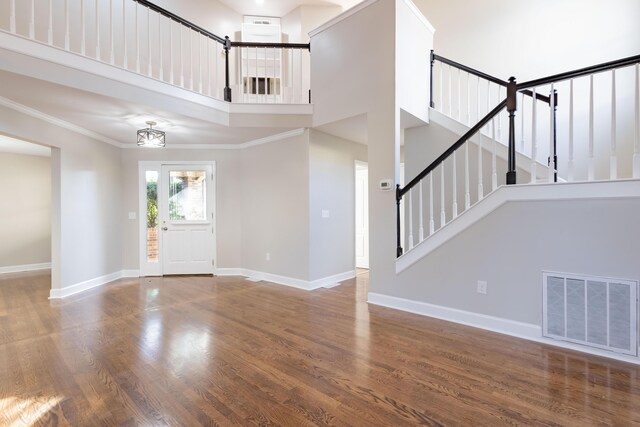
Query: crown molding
[(344, 15), (57, 122)]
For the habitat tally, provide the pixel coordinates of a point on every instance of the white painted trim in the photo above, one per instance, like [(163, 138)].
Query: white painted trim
[(332, 281), (518, 193), (229, 272), (130, 273), (512, 328), (258, 276), (411, 5), (24, 268), (344, 15), (85, 286), (57, 122)]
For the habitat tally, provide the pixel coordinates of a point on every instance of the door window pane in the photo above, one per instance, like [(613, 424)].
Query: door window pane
[(187, 195), (152, 215)]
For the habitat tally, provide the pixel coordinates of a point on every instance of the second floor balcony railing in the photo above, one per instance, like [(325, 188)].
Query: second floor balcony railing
[(139, 36)]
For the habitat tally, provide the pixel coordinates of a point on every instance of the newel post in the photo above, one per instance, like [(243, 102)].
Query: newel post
[(512, 105), (398, 199), (227, 88)]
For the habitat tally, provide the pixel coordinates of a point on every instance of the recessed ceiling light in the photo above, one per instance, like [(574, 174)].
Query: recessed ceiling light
[(259, 1)]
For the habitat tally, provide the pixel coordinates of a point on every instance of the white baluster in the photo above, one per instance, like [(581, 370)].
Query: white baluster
[(265, 75), (614, 157), (432, 222), (450, 97), (499, 133), (420, 212), (480, 177), (459, 95), (125, 51), (468, 99), (67, 37), (149, 65), (181, 57), (454, 172), (494, 161), (137, 28), (112, 54), (300, 68), (50, 32), (522, 122), (467, 184), (12, 16), (410, 219), (534, 137), (441, 83), (478, 99), (199, 62), (208, 46), (32, 20), (171, 63), (636, 145), (160, 48), (591, 165), (97, 13), (570, 171), (83, 26), (552, 130), (489, 105), (443, 217)]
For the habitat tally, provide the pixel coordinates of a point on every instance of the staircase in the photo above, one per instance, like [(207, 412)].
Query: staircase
[(578, 126)]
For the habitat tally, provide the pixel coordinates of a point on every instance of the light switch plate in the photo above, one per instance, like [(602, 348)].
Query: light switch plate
[(132, 215)]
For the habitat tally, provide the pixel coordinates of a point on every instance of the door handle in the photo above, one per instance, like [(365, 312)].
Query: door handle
[(165, 228)]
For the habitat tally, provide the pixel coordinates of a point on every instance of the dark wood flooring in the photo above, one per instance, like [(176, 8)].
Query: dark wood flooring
[(190, 351)]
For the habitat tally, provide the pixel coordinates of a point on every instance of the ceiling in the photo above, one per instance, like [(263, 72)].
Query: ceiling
[(116, 121), (281, 8)]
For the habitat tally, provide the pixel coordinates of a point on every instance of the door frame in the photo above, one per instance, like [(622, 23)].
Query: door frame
[(155, 269)]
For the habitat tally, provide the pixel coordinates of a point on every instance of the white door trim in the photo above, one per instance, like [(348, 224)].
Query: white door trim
[(155, 269)]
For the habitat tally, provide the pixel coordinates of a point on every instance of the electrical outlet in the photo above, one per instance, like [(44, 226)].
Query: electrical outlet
[(267, 256), (482, 287)]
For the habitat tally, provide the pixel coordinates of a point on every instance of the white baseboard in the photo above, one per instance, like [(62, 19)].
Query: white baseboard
[(229, 272), (257, 276), (526, 331), (332, 281), (67, 291), (130, 273), (23, 268)]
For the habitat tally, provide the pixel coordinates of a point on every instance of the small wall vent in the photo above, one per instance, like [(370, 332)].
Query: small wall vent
[(593, 311)]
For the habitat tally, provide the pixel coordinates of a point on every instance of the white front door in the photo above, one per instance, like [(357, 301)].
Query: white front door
[(362, 215), (186, 219)]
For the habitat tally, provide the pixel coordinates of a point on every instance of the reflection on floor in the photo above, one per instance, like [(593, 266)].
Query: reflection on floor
[(193, 350)]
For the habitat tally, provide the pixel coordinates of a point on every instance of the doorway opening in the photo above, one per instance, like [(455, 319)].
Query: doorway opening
[(362, 215)]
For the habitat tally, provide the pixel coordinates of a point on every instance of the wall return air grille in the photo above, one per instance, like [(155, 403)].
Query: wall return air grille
[(593, 311)]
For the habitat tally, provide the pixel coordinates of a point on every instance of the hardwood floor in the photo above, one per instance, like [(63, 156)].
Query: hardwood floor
[(226, 351)]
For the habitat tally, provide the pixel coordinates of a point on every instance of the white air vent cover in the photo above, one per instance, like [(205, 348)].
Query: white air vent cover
[(594, 311)]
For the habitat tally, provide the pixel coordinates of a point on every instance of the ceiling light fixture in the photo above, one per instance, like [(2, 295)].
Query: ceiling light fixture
[(259, 1), (150, 137)]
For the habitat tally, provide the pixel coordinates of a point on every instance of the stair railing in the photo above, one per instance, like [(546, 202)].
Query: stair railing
[(139, 36), (623, 139)]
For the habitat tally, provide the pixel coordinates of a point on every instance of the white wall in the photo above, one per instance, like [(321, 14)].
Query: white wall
[(332, 188), (535, 38), (25, 210), (275, 207), (510, 247), (86, 200)]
